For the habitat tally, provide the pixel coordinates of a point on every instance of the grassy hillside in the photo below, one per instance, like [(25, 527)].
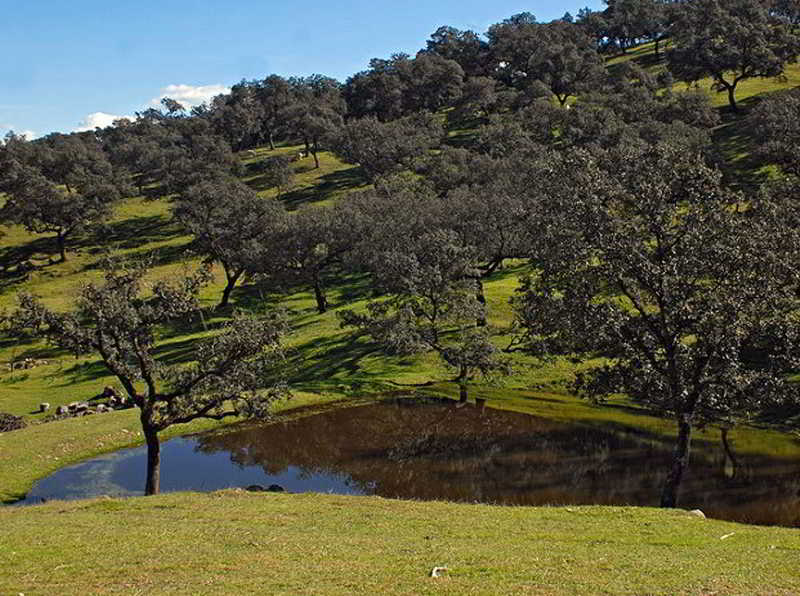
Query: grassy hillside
[(733, 137), (234, 542)]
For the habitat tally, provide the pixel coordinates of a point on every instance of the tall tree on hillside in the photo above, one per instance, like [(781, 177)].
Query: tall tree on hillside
[(789, 11), (659, 270), (729, 41), (42, 208), (59, 186), (227, 220), (431, 307), (464, 47), (776, 122), (312, 242), (632, 20), (567, 62), (382, 148), (229, 374), (511, 44), (315, 111), (274, 94), (238, 116)]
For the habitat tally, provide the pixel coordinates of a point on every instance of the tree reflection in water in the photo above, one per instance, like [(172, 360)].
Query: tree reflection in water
[(436, 450)]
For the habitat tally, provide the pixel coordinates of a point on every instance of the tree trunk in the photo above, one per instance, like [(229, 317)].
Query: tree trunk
[(732, 97), (481, 298), (658, 40), (319, 294), (316, 157), (680, 461), (271, 141), (62, 248), (462, 385), (153, 483), (731, 463), (226, 293)]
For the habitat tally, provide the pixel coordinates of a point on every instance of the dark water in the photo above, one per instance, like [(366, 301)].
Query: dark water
[(435, 450)]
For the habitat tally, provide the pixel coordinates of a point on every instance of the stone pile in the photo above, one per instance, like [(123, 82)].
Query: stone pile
[(26, 364), (113, 401)]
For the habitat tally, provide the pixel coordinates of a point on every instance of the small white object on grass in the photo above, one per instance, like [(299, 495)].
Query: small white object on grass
[(438, 571)]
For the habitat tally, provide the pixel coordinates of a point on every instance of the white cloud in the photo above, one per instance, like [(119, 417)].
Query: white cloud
[(189, 95), (6, 128), (98, 120)]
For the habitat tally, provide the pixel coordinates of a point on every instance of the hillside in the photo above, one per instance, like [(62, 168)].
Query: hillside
[(244, 542), (234, 542)]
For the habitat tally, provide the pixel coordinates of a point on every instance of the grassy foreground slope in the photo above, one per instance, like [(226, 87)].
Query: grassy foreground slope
[(234, 542)]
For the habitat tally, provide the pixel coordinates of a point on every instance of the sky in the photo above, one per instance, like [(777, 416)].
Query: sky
[(67, 65)]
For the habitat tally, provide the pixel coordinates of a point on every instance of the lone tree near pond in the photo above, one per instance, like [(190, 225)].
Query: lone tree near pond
[(687, 293), (432, 307), (118, 320)]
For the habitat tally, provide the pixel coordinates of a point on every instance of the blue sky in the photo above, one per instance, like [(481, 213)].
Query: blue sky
[(67, 64)]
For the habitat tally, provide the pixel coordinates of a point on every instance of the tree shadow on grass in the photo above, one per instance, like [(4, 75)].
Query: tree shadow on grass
[(742, 167), (131, 233), (82, 372), (325, 187), (331, 360), (39, 248)]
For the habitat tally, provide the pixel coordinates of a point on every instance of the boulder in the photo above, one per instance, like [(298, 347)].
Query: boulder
[(697, 513), (10, 422), (61, 410), (44, 406), (275, 488)]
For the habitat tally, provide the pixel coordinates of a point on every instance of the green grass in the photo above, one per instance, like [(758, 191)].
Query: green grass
[(734, 137), (234, 542)]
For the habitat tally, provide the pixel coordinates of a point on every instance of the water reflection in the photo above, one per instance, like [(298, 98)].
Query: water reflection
[(435, 450)]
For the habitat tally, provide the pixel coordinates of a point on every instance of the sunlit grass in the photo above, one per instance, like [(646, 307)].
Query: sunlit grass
[(234, 542)]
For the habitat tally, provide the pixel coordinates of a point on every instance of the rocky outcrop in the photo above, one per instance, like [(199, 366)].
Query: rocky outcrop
[(10, 422)]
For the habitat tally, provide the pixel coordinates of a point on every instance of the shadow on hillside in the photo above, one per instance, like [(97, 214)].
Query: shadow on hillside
[(324, 187), (163, 255), (332, 360), (82, 372), (735, 138), (131, 233)]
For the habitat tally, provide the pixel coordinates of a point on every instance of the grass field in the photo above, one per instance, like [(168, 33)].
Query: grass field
[(233, 542)]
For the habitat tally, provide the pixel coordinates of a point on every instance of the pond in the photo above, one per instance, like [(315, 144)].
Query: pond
[(431, 449)]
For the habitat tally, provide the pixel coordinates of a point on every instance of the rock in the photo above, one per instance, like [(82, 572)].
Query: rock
[(275, 488), (697, 513), (81, 406), (109, 391), (61, 410), (255, 488), (439, 571), (44, 406), (10, 422), (73, 405), (101, 409)]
